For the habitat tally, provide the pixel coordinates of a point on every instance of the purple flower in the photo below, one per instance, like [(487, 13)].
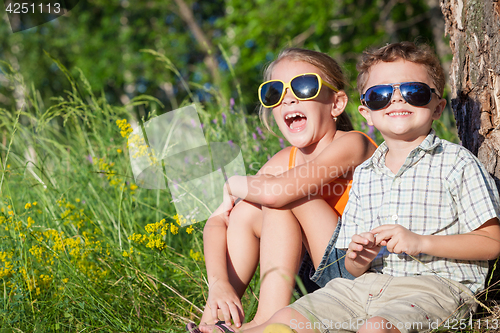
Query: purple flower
[(201, 125), (186, 160), (268, 157), (193, 123), (214, 121), (223, 118), (89, 158), (260, 133), (282, 143), (371, 132), (231, 103), (83, 202), (256, 148), (254, 136), (363, 125), (231, 143)]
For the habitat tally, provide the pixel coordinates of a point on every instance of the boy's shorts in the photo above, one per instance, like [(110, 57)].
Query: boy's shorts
[(332, 266), (410, 304)]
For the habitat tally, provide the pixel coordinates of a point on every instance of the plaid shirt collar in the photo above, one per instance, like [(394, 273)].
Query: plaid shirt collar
[(377, 161)]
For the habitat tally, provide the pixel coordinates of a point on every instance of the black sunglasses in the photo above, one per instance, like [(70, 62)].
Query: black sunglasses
[(414, 93)]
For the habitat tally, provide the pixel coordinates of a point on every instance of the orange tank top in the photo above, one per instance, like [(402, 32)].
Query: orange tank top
[(340, 187)]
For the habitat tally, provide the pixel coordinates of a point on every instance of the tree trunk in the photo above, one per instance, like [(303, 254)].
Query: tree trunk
[(473, 27)]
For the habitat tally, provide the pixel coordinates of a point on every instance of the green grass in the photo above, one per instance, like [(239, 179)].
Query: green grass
[(69, 206)]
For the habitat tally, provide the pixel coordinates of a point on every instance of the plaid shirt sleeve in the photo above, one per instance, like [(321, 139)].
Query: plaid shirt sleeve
[(474, 192)]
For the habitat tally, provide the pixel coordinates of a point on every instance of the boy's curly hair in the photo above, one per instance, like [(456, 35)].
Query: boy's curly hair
[(408, 51)]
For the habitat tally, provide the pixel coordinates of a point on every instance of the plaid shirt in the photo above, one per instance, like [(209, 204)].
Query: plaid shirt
[(441, 189)]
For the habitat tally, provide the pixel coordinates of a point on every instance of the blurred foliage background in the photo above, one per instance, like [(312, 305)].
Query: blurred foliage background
[(70, 89), (206, 41)]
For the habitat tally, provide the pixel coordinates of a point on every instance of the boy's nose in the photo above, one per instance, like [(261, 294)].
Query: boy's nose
[(396, 95)]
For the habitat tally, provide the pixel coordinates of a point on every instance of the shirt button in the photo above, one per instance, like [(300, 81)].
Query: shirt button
[(394, 217)]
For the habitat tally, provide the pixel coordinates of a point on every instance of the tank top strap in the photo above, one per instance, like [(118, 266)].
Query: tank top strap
[(291, 160), (368, 137)]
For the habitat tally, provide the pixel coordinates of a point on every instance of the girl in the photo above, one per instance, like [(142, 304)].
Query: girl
[(294, 202)]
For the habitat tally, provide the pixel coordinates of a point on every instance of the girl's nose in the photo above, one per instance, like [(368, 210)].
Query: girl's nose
[(289, 97)]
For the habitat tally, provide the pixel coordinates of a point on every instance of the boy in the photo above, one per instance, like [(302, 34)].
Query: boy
[(423, 211), (422, 216)]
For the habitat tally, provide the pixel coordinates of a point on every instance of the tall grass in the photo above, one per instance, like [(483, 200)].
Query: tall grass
[(79, 248), (83, 247)]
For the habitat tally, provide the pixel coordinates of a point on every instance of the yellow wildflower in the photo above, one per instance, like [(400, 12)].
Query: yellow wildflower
[(189, 229), (197, 256), (30, 221), (27, 206), (118, 151), (174, 229)]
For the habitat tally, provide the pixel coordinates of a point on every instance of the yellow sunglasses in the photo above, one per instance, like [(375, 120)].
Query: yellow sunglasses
[(303, 87)]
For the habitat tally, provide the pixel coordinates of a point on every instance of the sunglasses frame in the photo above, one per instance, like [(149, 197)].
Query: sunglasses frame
[(288, 86), (394, 87)]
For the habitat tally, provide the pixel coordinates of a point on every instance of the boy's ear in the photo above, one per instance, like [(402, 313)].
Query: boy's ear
[(365, 112), (438, 111), (339, 104)]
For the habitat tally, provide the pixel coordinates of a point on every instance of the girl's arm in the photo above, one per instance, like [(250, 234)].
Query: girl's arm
[(338, 159)]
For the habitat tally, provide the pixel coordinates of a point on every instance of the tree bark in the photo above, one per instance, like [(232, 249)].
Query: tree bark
[(473, 27)]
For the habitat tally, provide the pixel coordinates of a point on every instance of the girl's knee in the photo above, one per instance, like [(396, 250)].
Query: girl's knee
[(245, 216)]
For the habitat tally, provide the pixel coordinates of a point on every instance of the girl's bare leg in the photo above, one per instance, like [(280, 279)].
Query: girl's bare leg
[(280, 257), (318, 222), (243, 233), (310, 221)]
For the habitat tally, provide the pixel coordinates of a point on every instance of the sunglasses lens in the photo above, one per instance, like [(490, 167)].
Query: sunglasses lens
[(270, 93), (378, 97), (305, 86), (416, 93)]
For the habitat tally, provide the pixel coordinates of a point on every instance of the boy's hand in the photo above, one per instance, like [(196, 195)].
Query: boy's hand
[(398, 239), (363, 249)]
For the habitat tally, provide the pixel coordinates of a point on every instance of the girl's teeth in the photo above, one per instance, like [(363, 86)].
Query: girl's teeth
[(399, 113), (293, 115), (291, 126)]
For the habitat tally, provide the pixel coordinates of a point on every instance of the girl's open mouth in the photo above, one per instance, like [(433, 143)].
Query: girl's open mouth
[(295, 121)]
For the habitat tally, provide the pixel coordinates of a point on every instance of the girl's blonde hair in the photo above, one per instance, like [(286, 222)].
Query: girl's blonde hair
[(330, 72)]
